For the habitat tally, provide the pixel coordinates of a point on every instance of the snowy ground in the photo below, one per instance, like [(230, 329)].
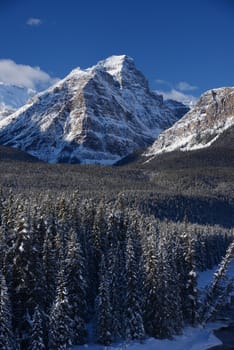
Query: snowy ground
[(192, 338)]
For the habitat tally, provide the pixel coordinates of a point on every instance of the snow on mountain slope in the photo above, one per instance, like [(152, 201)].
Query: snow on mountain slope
[(97, 115), (13, 97), (201, 126)]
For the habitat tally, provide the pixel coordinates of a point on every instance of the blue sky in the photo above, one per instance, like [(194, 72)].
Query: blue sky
[(182, 46)]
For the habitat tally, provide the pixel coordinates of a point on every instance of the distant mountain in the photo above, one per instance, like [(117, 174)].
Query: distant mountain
[(5, 111), (178, 108), (97, 115), (12, 97), (201, 127)]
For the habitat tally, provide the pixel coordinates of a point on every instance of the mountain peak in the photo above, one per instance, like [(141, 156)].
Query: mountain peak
[(122, 68), (116, 62)]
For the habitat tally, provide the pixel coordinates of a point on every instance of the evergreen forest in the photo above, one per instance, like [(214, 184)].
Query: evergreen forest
[(105, 254)]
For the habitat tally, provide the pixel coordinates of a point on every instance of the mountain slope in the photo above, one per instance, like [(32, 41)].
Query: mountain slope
[(200, 127), (97, 115)]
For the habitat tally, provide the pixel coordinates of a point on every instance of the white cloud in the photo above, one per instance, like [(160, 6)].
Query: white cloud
[(180, 91), (184, 86), (24, 75), (176, 95), (32, 21)]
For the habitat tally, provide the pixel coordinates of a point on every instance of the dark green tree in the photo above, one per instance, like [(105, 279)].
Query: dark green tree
[(37, 338), (133, 304), (61, 323), (75, 270), (7, 341), (103, 308)]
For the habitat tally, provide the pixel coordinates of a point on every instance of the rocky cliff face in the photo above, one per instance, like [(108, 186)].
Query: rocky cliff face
[(97, 115), (200, 127)]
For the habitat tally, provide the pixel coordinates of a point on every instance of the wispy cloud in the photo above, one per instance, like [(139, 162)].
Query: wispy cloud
[(24, 75), (34, 22), (184, 86), (180, 91)]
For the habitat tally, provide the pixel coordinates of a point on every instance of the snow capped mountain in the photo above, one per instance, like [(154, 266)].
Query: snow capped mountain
[(97, 115), (201, 126), (13, 97)]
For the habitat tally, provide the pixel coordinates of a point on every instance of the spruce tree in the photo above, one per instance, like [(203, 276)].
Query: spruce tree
[(50, 268), (191, 300), (75, 270), (23, 279), (117, 275), (133, 305), (37, 339), (174, 306), (7, 341), (152, 296), (61, 323), (103, 308), (187, 266), (164, 329)]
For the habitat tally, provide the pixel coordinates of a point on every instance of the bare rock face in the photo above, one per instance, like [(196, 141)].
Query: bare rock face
[(97, 115), (200, 127)]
